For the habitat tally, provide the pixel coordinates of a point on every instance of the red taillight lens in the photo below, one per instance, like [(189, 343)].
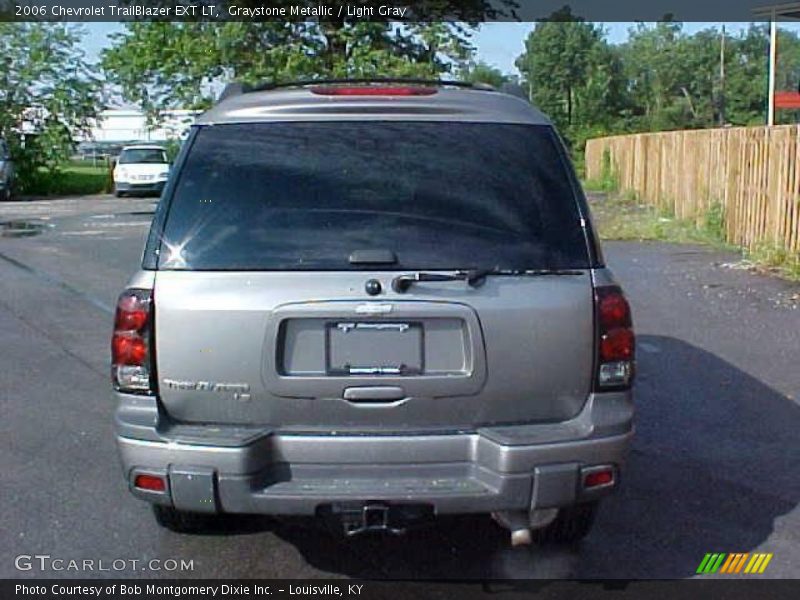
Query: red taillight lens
[(151, 483), (128, 349), (612, 308), (616, 341), (132, 313), (617, 344), (130, 344), (373, 91)]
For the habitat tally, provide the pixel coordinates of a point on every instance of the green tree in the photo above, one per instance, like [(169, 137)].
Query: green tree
[(675, 81), (573, 75), (746, 73), (660, 78), (480, 72), (787, 73), (656, 69), (162, 65), (701, 87), (48, 94)]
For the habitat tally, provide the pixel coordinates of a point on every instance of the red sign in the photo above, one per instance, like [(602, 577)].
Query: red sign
[(787, 100)]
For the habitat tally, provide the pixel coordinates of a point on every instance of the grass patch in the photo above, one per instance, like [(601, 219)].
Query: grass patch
[(76, 179), (714, 222), (775, 260), (604, 185), (622, 217)]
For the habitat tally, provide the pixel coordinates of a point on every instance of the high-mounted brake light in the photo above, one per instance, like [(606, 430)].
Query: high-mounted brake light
[(130, 344), (616, 340), (377, 90)]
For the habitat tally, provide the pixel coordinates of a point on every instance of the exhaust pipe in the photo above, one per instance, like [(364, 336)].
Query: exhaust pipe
[(520, 523), (516, 521), (521, 537)]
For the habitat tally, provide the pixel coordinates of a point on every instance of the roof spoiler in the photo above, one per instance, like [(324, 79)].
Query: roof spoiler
[(238, 88)]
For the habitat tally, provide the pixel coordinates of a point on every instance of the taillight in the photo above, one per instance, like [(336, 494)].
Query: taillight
[(378, 90), (130, 344), (616, 341)]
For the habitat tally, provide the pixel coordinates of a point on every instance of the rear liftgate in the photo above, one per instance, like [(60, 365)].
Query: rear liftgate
[(422, 344)]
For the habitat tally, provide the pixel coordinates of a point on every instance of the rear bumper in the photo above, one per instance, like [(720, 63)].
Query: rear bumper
[(150, 186), (242, 470)]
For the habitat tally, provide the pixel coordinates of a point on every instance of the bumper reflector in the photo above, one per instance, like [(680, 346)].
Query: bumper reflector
[(598, 476), (151, 483)]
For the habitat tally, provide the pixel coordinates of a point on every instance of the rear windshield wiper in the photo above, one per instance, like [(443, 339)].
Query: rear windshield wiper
[(473, 277)]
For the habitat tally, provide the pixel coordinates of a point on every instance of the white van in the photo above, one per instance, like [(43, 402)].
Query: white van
[(141, 168)]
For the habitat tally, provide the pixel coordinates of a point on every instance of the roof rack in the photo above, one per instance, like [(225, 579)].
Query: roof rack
[(235, 89)]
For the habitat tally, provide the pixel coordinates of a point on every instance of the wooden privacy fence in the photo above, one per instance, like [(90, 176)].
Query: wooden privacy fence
[(750, 173)]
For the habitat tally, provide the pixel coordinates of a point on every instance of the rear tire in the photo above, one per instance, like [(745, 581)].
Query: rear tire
[(6, 195), (180, 521), (119, 194), (572, 524)]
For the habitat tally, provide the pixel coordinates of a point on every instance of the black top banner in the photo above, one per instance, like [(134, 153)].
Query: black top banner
[(394, 10)]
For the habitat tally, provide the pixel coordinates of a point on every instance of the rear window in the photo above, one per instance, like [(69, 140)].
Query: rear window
[(304, 196), (142, 155)]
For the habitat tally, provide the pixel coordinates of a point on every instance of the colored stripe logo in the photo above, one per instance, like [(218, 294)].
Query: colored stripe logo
[(735, 563)]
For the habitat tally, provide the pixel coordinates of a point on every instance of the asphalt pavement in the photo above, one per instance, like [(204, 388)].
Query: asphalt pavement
[(714, 466)]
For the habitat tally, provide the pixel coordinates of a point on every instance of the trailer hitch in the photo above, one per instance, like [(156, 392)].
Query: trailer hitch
[(358, 518)]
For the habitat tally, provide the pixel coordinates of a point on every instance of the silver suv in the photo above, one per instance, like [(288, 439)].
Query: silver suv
[(374, 302)]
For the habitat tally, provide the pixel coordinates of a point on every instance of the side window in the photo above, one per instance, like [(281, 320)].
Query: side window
[(3, 151)]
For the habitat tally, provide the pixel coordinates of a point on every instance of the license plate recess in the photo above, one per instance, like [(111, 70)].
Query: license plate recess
[(359, 348)]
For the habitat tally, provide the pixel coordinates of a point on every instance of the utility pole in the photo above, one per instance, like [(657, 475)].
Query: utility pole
[(773, 55), (722, 77)]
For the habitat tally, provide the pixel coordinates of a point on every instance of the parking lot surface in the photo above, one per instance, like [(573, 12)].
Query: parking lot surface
[(713, 467)]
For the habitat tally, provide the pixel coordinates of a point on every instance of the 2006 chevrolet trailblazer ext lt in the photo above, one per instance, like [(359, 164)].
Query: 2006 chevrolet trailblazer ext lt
[(375, 302)]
